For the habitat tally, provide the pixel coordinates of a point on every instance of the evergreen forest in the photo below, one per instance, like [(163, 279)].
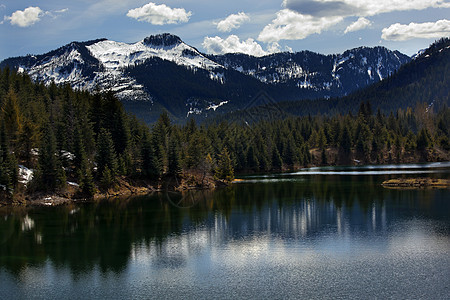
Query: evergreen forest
[(87, 141)]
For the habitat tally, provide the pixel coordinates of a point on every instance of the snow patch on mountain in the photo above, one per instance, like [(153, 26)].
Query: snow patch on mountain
[(117, 55)]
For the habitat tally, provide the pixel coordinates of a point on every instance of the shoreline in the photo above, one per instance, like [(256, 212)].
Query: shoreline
[(416, 183), (124, 188), (185, 182)]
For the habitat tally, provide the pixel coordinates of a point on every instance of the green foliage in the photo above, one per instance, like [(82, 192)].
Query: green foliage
[(107, 179), (423, 139), (50, 175), (95, 129), (86, 179), (106, 154), (224, 170)]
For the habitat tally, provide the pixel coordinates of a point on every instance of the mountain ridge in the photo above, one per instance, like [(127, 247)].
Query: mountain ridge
[(108, 65)]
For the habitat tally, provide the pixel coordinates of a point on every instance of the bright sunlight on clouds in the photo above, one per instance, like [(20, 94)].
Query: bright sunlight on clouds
[(159, 14)]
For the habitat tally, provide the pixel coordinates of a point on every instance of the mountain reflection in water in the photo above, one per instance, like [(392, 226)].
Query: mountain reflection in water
[(315, 221)]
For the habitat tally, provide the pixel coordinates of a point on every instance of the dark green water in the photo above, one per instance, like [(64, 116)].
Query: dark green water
[(324, 233)]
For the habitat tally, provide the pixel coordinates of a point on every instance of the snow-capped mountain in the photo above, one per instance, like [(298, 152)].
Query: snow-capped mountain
[(163, 70), (100, 63), (338, 74)]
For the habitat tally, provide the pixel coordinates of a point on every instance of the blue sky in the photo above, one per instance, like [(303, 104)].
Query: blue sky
[(255, 27)]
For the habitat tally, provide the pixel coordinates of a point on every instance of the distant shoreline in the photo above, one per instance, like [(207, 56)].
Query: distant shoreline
[(416, 183), (184, 183)]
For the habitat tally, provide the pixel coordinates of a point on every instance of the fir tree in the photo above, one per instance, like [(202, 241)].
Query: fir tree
[(324, 159), (87, 185), (174, 167), (12, 118), (51, 174), (423, 139), (224, 170), (107, 179), (345, 141), (106, 154), (150, 165), (277, 162)]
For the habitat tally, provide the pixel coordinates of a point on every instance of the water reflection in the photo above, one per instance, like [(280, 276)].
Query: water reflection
[(323, 213)]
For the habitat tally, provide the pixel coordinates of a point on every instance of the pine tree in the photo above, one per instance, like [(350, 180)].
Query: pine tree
[(78, 149), (345, 141), (290, 153), (322, 139), (277, 162), (12, 118), (224, 170), (252, 159), (28, 140), (51, 174), (86, 180), (9, 173), (324, 159), (106, 154), (149, 163), (423, 139), (107, 179), (174, 167)]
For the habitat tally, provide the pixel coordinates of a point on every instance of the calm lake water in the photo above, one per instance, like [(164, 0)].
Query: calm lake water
[(319, 233)]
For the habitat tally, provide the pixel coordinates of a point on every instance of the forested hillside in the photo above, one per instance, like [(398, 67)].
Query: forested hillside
[(85, 142), (161, 72), (424, 79)]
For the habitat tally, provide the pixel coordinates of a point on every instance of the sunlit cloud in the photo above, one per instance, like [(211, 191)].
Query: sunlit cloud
[(302, 18), (360, 24), (159, 14), (320, 8), (401, 32), (232, 44), (233, 21), (290, 25), (25, 18)]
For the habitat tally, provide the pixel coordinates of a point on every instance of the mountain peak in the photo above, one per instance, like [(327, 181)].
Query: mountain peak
[(163, 40)]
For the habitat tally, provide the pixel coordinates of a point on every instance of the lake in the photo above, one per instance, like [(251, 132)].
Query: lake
[(317, 233)]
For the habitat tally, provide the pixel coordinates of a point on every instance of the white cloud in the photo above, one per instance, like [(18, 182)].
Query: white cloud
[(26, 17), (301, 18), (232, 44), (62, 11), (344, 8), (361, 23), (290, 25), (159, 14), (232, 22), (400, 32)]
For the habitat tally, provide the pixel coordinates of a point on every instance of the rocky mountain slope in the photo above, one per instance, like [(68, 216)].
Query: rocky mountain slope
[(163, 72)]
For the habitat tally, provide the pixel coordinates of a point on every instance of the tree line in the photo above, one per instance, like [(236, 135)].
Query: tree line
[(66, 135)]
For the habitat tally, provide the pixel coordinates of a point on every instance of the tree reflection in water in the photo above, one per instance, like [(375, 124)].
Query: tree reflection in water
[(105, 235)]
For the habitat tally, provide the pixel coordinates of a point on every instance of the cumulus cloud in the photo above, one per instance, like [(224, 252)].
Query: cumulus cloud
[(290, 25), (361, 23), (159, 14), (320, 8), (301, 18), (232, 22), (26, 17), (400, 32), (232, 44)]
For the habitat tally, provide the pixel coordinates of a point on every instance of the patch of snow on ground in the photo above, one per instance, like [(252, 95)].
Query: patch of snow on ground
[(25, 174), (216, 106)]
